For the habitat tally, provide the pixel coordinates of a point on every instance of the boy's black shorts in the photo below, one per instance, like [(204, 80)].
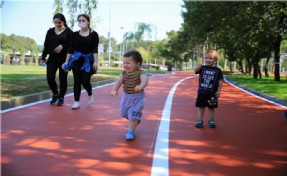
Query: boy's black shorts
[(206, 101)]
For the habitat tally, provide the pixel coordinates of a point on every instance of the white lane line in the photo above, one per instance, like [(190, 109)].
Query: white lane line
[(272, 102), (38, 102), (160, 166)]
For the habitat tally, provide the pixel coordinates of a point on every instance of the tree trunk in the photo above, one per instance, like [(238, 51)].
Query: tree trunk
[(225, 64), (169, 67), (240, 65), (255, 70), (22, 59), (36, 60), (248, 67), (231, 67), (266, 67), (277, 48), (6, 59), (198, 55), (277, 59), (259, 71)]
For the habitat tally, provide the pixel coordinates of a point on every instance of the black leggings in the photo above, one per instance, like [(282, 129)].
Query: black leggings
[(81, 78), (52, 67)]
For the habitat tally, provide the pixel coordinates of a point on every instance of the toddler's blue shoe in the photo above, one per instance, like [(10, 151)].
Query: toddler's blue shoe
[(130, 135)]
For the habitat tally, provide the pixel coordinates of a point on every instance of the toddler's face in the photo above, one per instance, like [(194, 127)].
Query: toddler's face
[(130, 65), (209, 60)]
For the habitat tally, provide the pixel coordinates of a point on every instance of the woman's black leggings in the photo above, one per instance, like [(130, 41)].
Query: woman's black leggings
[(81, 78), (52, 67)]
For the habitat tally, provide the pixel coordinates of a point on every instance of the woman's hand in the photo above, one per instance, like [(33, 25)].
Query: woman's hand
[(95, 66), (63, 65), (58, 49)]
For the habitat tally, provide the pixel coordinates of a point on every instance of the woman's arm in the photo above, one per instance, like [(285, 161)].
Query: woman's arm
[(46, 45), (95, 64)]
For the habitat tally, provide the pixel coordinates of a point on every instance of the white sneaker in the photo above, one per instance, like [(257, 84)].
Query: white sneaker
[(90, 100), (76, 105)]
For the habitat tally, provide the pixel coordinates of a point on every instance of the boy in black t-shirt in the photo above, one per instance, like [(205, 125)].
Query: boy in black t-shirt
[(209, 87)]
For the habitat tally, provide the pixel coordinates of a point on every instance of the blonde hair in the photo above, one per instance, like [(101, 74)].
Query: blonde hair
[(213, 53)]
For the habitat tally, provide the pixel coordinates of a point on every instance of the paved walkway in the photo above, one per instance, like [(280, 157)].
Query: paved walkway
[(46, 140)]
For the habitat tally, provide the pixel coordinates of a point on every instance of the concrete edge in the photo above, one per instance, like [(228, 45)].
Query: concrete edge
[(22, 100), (260, 94)]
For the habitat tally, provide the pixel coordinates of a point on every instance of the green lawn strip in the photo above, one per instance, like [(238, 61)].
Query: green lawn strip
[(265, 85), (25, 80)]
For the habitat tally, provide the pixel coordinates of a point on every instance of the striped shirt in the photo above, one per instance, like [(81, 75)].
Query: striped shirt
[(131, 80)]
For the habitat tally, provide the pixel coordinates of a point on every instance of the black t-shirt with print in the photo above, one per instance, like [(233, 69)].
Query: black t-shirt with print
[(209, 80)]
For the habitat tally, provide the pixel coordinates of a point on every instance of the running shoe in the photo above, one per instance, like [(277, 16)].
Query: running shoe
[(76, 105), (130, 135), (90, 100), (199, 124), (211, 124), (60, 102), (54, 99)]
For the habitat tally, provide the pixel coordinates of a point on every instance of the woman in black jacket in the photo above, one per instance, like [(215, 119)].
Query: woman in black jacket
[(56, 46), (82, 58)]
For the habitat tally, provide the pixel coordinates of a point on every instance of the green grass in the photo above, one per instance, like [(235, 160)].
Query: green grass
[(265, 85), (25, 80)]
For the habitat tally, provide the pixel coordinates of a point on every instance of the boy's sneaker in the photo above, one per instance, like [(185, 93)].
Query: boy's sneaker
[(211, 124), (199, 124), (130, 135), (54, 99), (60, 102)]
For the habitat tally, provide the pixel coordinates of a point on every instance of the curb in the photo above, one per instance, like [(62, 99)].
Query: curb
[(263, 95), (22, 100)]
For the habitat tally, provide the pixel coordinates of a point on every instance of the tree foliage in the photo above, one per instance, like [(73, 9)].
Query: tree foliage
[(14, 43), (75, 7), (243, 30)]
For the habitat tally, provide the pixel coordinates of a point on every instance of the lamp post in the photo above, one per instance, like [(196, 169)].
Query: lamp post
[(122, 44), (109, 36)]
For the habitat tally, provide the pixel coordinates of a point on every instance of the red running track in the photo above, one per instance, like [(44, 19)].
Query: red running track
[(44, 140)]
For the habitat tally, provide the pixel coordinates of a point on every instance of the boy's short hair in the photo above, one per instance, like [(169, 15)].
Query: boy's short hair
[(135, 55), (213, 53)]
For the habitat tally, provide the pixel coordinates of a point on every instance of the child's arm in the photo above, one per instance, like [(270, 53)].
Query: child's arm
[(117, 85), (217, 94), (197, 68), (144, 82)]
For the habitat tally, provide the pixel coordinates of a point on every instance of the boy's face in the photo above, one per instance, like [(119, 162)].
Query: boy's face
[(209, 60), (130, 65)]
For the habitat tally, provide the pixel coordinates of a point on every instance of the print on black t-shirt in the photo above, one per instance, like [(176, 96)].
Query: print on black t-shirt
[(208, 79)]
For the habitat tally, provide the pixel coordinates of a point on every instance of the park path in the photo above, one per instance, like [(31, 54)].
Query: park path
[(46, 140)]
